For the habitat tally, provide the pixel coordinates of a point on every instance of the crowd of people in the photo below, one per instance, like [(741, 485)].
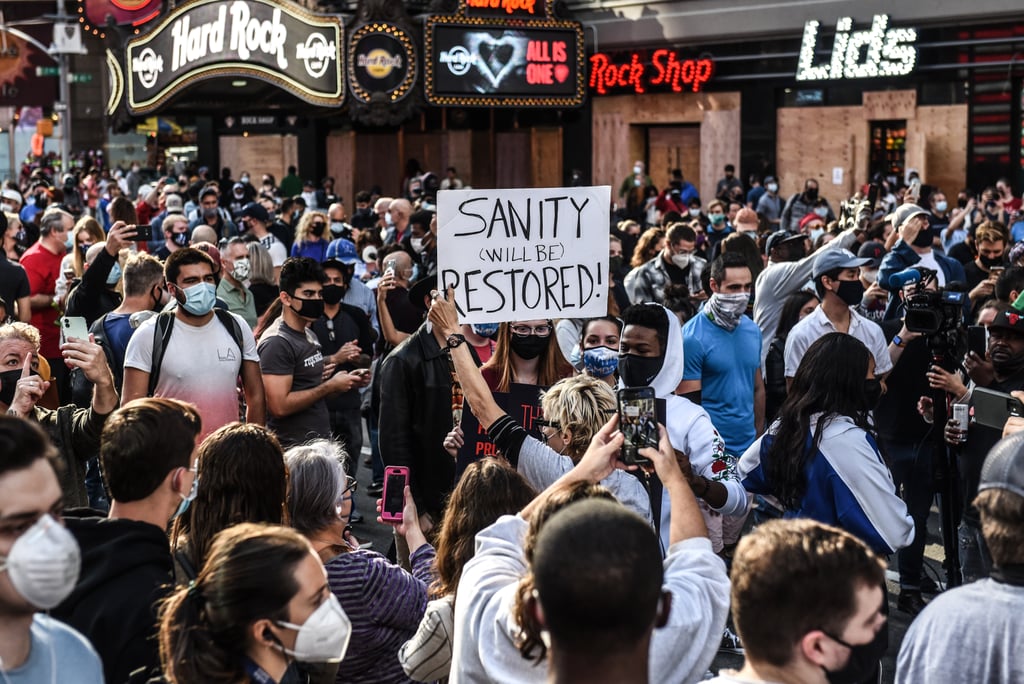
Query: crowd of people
[(177, 488)]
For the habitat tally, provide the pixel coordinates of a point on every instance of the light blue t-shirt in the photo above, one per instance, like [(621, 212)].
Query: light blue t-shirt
[(725, 363), (1017, 232), (58, 654)]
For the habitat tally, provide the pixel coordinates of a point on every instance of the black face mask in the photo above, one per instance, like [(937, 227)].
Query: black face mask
[(639, 371), (872, 393), (529, 347), (310, 308), (863, 659), (333, 294), (989, 262), (811, 193), (9, 385), (924, 238), (317, 229), (614, 265), (850, 291)]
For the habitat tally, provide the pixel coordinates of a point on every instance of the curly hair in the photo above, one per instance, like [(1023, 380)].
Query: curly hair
[(580, 405)]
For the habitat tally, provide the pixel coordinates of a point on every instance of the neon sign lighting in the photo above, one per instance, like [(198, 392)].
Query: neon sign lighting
[(669, 71), (877, 52)]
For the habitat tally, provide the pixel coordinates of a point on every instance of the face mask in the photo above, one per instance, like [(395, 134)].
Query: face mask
[(941, 206), (639, 371), (924, 238), (726, 309), (682, 260), (9, 385), (69, 242), (337, 227), (83, 249), (417, 245), (822, 212), (333, 294), (863, 659), (637, 170), (485, 329), (600, 362), (816, 233), (773, 187), (7, 207), (317, 229), (241, 269), (870, 275), (961, 202), (716, 219), (187, 499), (43, 563), (180, 239), (850, 291), (310, 308), (199, 299), (811, 193), (20, 235), (614, 264), (872, 393), (244, 179), (989, 262), (323, 637), (114, 275), (529, 347), (694, 213), (388, 220), (576, 357)]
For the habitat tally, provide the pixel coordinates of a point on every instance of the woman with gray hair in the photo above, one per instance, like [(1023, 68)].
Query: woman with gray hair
[(384, 602)]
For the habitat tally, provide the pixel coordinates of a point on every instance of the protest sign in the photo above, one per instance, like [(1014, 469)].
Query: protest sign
[(522, 402), (518, 255)]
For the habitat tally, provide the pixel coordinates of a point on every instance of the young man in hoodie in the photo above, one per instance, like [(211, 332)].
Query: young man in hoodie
[(147, 451), (651, 355)]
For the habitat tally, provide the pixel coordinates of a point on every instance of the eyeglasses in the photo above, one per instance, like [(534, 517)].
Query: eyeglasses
[(526, 330), (351, 485)]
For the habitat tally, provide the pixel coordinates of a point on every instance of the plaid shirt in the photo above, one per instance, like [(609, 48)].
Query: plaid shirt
[(647, 283)]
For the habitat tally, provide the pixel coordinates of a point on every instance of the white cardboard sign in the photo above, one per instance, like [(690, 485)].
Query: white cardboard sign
[(524, 254)]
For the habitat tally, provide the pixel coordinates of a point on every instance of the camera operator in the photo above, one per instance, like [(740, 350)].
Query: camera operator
[(1006, 351)]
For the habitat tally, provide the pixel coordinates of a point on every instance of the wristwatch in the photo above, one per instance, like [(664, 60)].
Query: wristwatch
[(898, 341), (454, 340)]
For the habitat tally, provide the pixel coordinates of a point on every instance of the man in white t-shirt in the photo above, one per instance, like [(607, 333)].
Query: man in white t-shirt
[(837, 280), (201, 359), (255, 219)]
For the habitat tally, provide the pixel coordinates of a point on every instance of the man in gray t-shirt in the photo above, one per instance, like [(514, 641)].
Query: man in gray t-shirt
[(292, 363)]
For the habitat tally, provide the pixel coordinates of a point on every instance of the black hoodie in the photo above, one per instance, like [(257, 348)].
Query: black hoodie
[(126, 570)]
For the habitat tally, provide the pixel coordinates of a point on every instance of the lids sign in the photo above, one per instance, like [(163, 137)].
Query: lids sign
[(273, 41)]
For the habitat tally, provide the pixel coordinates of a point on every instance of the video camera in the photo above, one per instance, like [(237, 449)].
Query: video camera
[(929, 312)]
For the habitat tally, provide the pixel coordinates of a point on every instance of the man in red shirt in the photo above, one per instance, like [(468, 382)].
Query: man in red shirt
[(42, 265), (1009, 203)]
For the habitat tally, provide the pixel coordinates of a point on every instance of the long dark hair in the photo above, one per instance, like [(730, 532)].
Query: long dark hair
[(829, 381), (790, 315)]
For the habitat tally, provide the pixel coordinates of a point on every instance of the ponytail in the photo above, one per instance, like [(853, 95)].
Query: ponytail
[(189, 653)]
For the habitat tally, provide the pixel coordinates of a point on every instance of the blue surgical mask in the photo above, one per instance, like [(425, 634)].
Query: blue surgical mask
[(200, 298), (576, 357), (187, 499), (114, 275), (69, 241), (941, 206), (821, 211), (485, 329), (600, 362), (716, 219)]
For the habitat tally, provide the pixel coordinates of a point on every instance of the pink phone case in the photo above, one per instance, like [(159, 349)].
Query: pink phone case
[(395, 480)]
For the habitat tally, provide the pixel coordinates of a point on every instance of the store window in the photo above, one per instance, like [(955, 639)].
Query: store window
[(889, 149)]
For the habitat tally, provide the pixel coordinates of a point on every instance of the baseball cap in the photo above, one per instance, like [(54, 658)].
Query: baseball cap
[(1004, 466), (904, 213), (832, 259), (11, 194), (256, 211), (1008, 318), (747, 217), (874, 251), (174, 204), (779, 237), (208, 190), (343, 251)]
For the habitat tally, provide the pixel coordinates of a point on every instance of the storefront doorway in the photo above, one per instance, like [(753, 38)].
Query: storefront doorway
[(673, 147)]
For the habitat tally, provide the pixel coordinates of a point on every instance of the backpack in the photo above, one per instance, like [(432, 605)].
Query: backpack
[(162, 335)]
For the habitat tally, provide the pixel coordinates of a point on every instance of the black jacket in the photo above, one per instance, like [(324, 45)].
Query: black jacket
[(126, 570), (91, 298), (415, 417)]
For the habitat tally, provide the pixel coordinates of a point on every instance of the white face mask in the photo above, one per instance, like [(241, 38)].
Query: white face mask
[(940, 206), (773, 187), (694, 213), (323, 637), (241, 269), (682, 260), (821, 211), (10, 210), (870, 275), (637, 170), (417, 245), (43, 563), (388, 220)]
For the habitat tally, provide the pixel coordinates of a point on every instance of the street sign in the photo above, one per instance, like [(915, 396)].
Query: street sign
[(47, 71), (79, 78), (60, 107)]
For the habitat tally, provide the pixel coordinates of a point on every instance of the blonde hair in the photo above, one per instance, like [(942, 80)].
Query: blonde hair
[(20, 331), (302, 229), (90, 226), (580, 404)]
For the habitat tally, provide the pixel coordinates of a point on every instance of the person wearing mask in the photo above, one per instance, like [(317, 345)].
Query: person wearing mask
[(980, 622), (97, 292), (676, 263), (399, 314), (808, 602), (633, 192), (14, 285), (798, 306), (872, 304), (990, 242), (819, 458), (399, 212), (725, 185), (422, 242), (147, 452), (599, 345), (310, 236), (176, 236), (234, 258), (255, 219), (209, 212), (938, 216), (196, 353), (770, 204), (39, 565), (273, 612), (718, 227), (837, 282), (291, 184), (803, 203), (134, 180), (1007, 201), (526, 353)]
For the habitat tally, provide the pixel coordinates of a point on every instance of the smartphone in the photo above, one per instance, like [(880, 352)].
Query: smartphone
[(992, 408), (996, 272), (396, 478), (389, 267), (638, 423), (977, 339), (873, 197), (143, 233), (73, 326)]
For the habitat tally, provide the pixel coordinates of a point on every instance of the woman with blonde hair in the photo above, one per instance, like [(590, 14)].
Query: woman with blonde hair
[(261, 277), (13, 248), (650, 243), (309, 236), (85, 234)]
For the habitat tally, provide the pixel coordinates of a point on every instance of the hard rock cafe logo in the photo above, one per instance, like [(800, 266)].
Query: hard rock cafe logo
[(379, 63), (148, 66), (317, 53)]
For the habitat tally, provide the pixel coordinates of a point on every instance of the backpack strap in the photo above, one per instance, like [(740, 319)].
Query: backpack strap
[(161, 336), (231, 323)]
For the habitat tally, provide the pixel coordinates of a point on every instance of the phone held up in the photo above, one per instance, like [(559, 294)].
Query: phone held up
[(638, 423), (73, 326), (396, 479)]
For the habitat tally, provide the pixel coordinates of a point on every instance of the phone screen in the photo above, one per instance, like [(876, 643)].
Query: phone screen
[(638, 423), (394, 499), (977, 339)]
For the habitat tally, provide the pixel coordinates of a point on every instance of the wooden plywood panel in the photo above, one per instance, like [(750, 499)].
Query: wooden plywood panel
[(482, 144), (377, 162), (889, 104), (459, 153), (426, 149), (610, 151), (341, 156), (546, 157), (719, 145), (512, 162), (813, 141), (673, 147), (257, 154), (935, 149)]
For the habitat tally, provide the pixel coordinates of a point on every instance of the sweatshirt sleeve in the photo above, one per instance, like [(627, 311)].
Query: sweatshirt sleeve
[(697, 579), (427, 657), (706, 450)]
